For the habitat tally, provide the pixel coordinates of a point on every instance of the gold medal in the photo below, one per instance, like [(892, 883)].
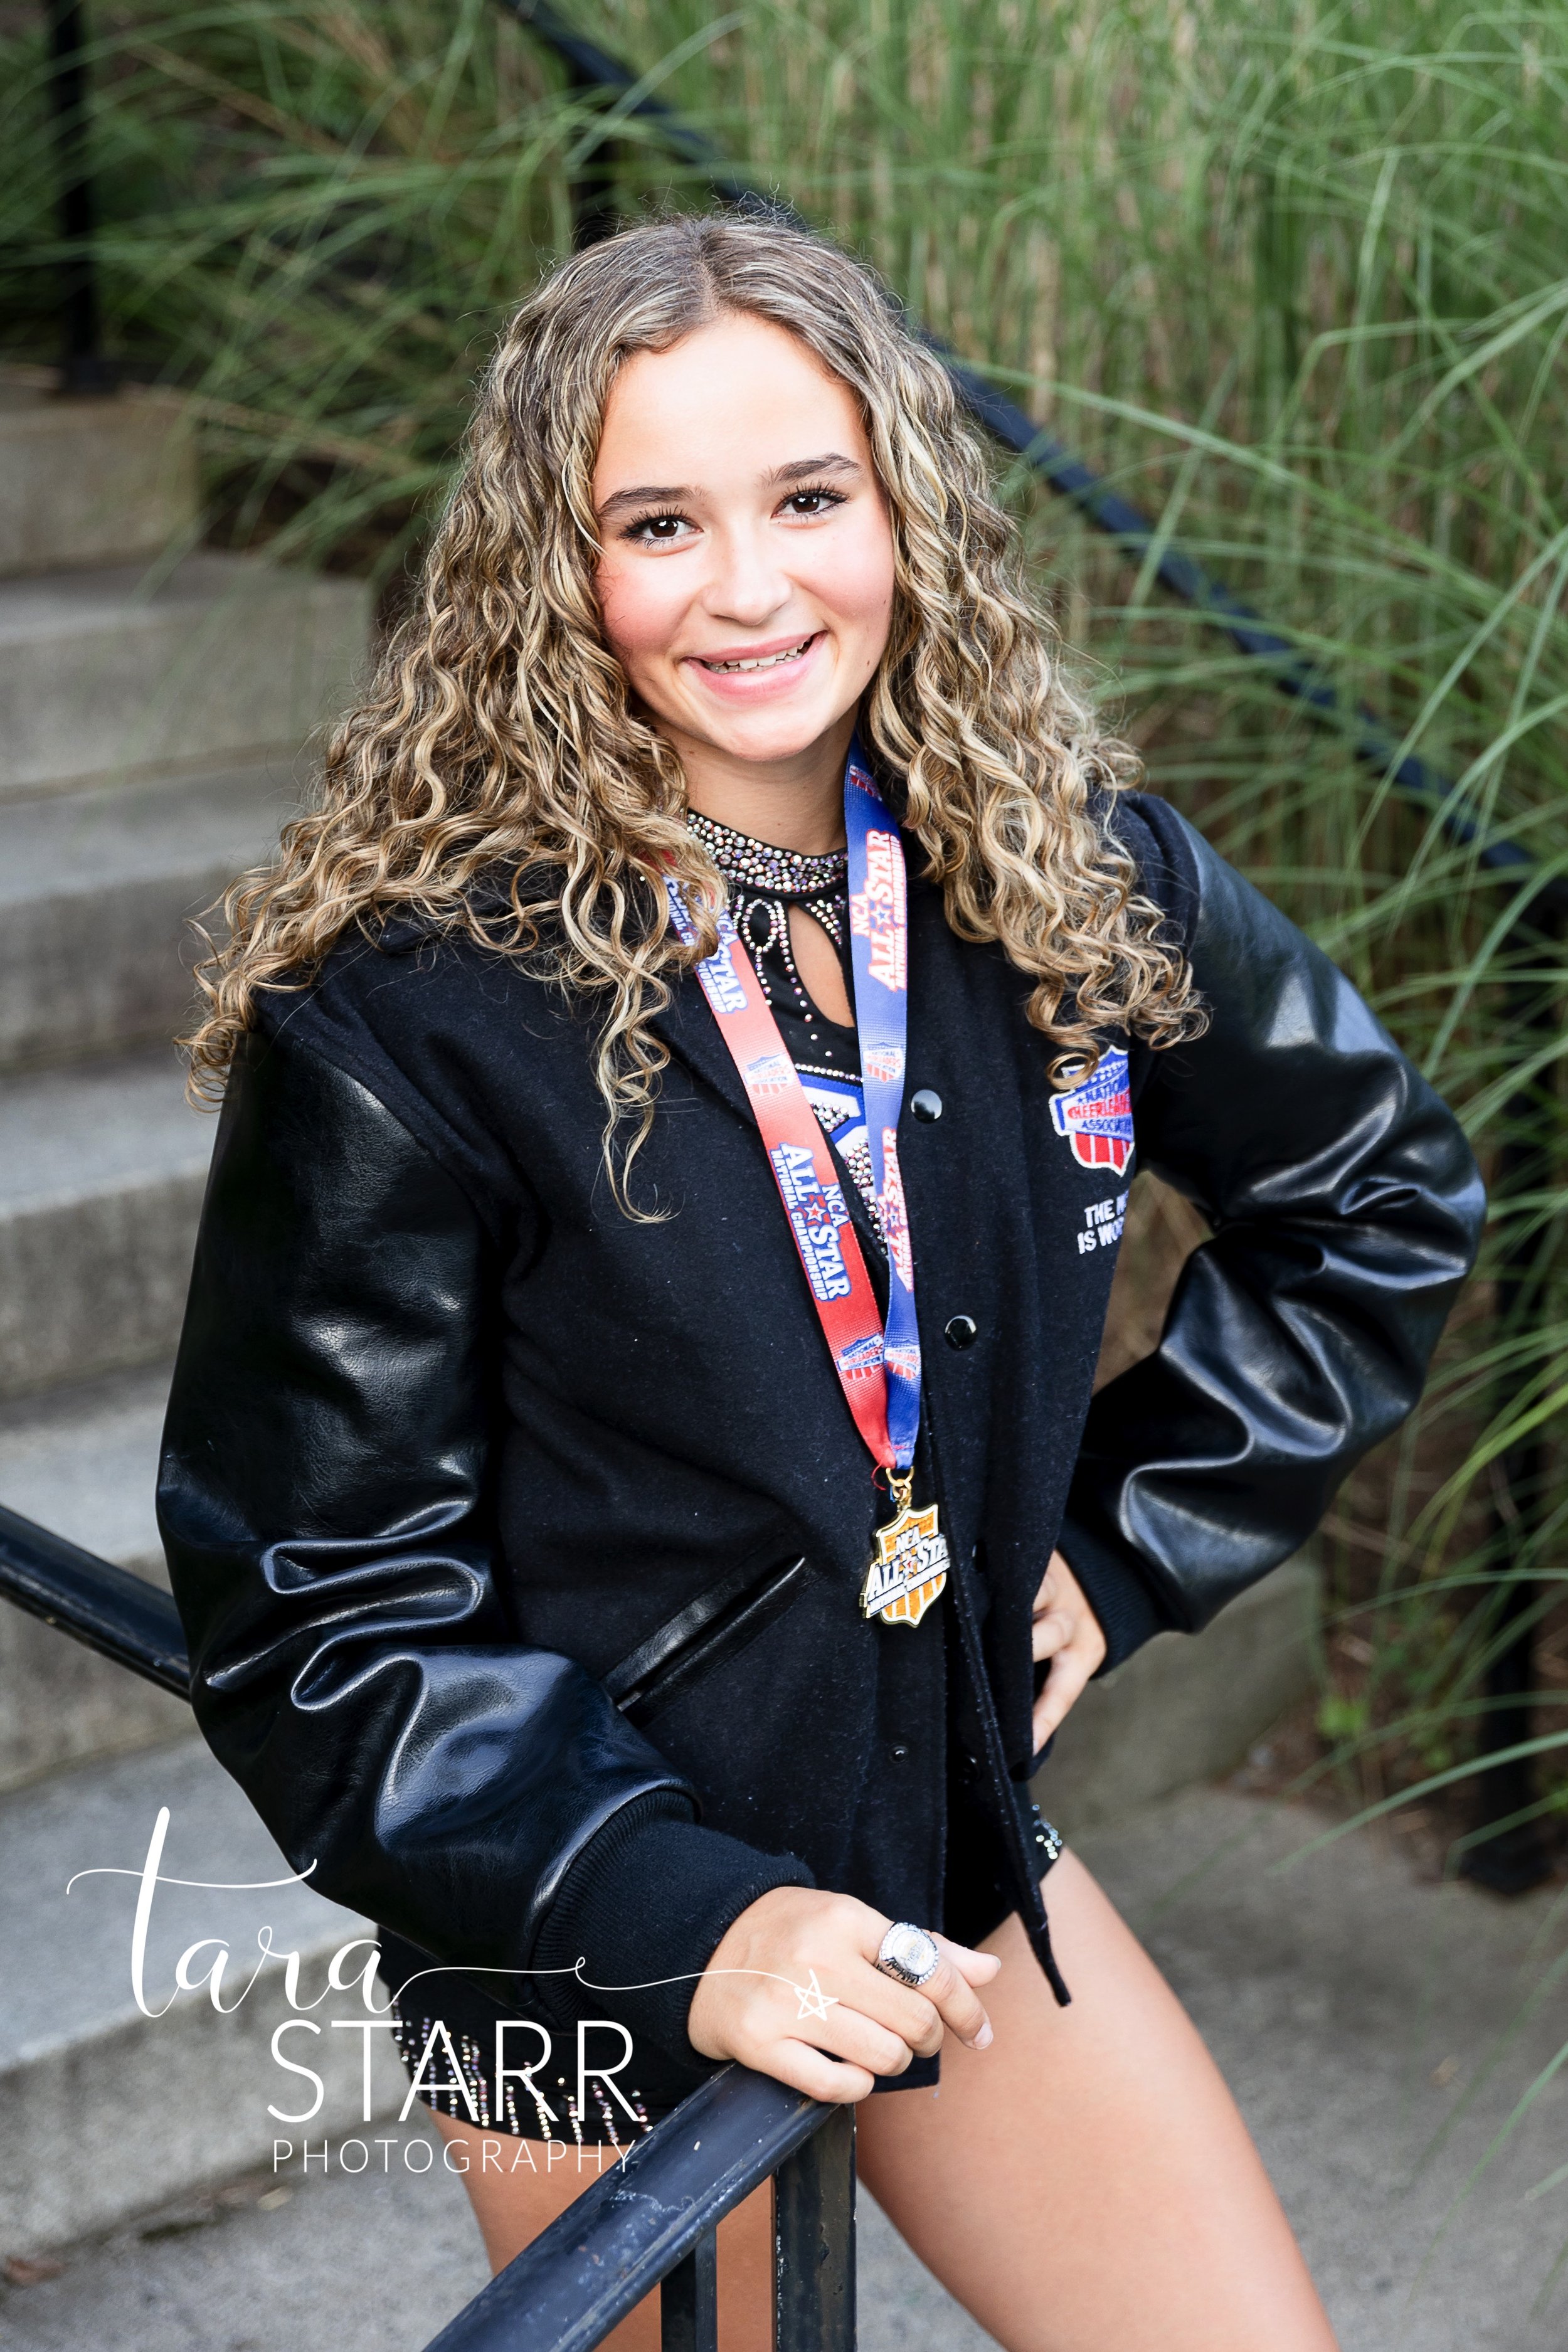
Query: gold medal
[(910, 1568)]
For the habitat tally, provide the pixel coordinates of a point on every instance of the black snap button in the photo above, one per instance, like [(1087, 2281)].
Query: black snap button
[(962, 1332), (926, 1106), (897, 1751)]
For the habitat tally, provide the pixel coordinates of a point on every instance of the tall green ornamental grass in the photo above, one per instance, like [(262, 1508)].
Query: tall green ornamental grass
[(1293, 275)]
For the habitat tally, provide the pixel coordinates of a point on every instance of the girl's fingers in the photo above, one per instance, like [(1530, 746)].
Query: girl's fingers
[(1052, 1633), (899, 2008), (946, 2003), (879, 2023), (1065, 1686), (872, 2005), (976, 1968), (956, 2003), (805, 2069), (869, 2025), (962, 2011), (862, 2041)]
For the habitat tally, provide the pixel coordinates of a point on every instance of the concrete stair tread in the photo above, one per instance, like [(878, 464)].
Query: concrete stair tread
[(102, 1168), (83, 1461), (108, 2107), (90, 481), (82, 843), (115, 596), (87, 1128), (126, 867), (133, 670), (65, 1955)]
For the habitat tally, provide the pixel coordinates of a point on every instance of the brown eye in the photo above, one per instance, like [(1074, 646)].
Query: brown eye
[(656, 530), (809, 505)]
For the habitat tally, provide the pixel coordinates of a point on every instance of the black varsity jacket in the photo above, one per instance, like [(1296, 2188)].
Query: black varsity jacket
[(519, 1543)]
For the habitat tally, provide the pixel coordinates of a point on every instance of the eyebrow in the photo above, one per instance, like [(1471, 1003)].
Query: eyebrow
[(799, 469)]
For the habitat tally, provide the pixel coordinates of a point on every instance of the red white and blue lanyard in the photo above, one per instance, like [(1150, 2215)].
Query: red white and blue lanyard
[(878, 1365)]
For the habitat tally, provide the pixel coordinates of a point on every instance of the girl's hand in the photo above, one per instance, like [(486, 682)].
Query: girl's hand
[(1067, 1631), (795, 1943)]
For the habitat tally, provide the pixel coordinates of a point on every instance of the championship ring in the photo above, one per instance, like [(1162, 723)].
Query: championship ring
[(910, 1567), (908, 1954)]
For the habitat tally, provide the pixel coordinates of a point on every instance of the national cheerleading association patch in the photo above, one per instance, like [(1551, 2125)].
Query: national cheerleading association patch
[(1097, 1117)]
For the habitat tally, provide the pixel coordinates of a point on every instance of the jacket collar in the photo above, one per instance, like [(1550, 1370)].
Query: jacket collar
[(688, 1027)]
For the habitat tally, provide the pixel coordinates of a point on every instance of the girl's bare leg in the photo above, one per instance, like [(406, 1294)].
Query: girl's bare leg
[(512, 2206), (1087, 2184)]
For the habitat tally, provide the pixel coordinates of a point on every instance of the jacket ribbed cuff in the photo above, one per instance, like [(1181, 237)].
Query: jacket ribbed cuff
[(1116, 1590), (651, 1897)]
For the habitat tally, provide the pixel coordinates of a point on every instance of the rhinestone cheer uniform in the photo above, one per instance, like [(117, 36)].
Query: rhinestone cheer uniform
[(764, 883), (472, 2100)]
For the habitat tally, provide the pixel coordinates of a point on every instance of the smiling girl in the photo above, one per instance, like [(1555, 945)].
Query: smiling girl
[(632, 1484)]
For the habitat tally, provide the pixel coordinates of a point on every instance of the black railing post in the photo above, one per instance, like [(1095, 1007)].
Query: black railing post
[(83, 368), (641, 2221), (594, 212), (814, 2242), (689, 2301), (1522, 1855)]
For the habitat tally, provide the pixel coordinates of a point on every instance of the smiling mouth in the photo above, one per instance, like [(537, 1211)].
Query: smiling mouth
[(763, 661)]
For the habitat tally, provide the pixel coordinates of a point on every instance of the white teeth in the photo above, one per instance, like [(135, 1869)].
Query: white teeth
[(764, 661)]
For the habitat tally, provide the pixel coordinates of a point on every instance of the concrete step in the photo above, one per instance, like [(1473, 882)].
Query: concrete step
[(102, 2101), (117, 674), (90, 481), (83, 1461), (101, 1171), (381, 2260), (97, 890)]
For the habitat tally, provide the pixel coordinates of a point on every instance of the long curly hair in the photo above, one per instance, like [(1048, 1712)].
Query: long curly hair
[(498, 744)]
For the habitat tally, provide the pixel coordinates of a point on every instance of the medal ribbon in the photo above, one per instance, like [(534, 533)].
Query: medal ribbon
[(880, 1372)]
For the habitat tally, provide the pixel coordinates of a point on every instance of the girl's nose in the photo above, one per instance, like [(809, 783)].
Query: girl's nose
[(747, 583)]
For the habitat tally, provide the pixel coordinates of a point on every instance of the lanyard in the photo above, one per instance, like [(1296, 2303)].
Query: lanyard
[(878, 1368)]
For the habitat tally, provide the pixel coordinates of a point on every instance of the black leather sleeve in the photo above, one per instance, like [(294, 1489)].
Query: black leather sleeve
[(1346, 1209), (322, 1499)]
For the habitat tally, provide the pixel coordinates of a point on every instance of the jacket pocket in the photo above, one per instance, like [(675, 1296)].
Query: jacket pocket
[(708, 1632)]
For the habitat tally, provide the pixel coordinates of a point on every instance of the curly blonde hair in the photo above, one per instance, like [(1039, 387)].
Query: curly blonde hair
[(498, 736)]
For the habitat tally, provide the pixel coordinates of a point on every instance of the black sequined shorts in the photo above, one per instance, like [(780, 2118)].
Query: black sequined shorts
[(478, 2053), (446, 2025)]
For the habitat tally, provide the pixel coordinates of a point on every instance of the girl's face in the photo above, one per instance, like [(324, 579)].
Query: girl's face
[(747, 575)]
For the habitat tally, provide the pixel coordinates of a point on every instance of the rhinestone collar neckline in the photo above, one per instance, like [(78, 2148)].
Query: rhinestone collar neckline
[(760, 865)]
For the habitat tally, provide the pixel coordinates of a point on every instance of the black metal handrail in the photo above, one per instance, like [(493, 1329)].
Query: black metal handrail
[(120, 1615), (652, 2220), (593, 71)]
